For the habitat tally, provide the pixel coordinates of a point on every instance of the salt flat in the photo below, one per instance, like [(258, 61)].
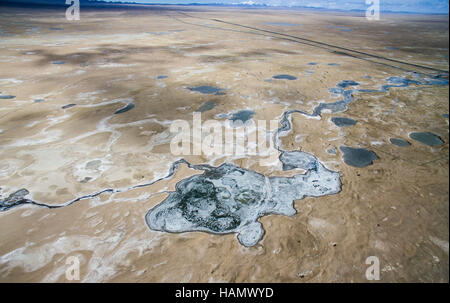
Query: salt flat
[(86, 108)]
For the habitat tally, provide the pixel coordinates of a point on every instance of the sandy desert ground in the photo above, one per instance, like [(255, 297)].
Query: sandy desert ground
[(395, 208)]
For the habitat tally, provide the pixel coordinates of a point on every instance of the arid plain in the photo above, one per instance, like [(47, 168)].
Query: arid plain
[(63, 81)]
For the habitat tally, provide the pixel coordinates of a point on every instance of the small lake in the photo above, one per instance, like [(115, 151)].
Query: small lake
[(426, 138), (358, 157), (399, 142), (284, 77), (206, 89), (128, 107), (343, 122)]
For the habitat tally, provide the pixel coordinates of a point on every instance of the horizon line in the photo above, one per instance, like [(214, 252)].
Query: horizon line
[(246, 5)]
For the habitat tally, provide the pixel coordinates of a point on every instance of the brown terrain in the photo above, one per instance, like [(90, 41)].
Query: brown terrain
[(396, 209)]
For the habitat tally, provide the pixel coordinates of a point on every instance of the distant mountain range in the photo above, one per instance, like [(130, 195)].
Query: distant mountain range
[(55, 2), (399, 6)]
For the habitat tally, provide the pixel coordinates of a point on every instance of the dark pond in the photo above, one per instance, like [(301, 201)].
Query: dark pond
[(284, 77), (427, 138), (206, 89), (207, 106), (399, 142), (343, 122), (358, 157), (68, 106), (7, 97), (242, 115), (128, 107)]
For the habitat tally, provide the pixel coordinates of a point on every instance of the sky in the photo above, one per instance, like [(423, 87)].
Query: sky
[(434, 6), (412, 6)]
